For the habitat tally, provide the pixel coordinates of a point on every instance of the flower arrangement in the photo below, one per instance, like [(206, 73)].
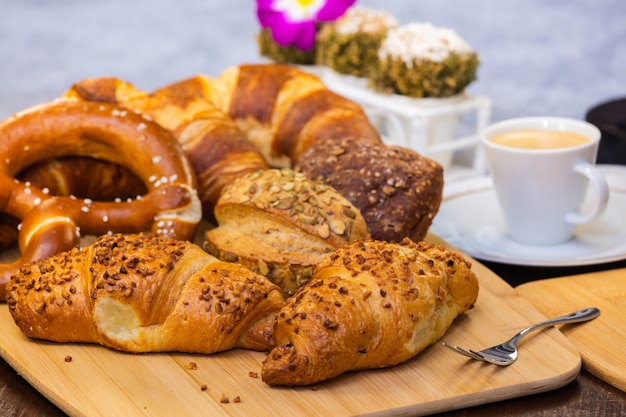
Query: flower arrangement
[(416, 60), (294, 22)]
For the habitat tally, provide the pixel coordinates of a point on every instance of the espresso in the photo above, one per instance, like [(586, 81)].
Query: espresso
[(539, 139)]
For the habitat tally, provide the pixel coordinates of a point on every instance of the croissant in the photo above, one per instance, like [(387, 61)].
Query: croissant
[(284, 111), (144, 293), (369, 305)]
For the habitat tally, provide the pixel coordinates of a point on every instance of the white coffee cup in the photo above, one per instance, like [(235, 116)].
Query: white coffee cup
[(540, 190)]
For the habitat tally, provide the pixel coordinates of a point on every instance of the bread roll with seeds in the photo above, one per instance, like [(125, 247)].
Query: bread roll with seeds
[(142, 293), (281, 224), (397, 190), (368, 305)]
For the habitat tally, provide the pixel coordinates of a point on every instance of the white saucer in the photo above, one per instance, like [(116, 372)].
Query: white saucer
[(470, 220)]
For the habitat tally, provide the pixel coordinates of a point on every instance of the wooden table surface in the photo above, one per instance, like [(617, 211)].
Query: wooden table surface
[(585, 396)]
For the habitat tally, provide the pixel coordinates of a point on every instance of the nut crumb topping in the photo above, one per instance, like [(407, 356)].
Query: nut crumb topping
[(397, 190), (315, 206)]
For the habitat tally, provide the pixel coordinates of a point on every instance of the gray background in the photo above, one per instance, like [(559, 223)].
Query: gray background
[(557, 57)]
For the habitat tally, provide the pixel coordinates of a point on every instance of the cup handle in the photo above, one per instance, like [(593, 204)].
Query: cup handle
[(602, 193)]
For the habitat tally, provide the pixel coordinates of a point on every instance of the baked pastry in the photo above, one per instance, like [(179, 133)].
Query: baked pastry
[(420, 60), (66, 176), (350, 44), (74, 176), (51, 224), (368, 305), (397, 190), (251, 117), (284, 111), (280, 224), (143, 293), (8, 230), (218, 151)]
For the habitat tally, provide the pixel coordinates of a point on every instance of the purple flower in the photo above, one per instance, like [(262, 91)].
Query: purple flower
[(293, 22)]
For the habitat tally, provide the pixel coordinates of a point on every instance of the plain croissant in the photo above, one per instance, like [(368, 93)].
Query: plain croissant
[(369, 305), (284, 111), (143, 293)]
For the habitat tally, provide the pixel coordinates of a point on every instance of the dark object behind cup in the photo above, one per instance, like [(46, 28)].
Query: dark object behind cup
[(610, 118)]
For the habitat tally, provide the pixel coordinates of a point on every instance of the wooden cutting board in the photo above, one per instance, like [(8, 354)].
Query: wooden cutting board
[(89, 380), (601, 342)]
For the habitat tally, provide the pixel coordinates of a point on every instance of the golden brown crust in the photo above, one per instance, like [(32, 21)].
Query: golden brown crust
[(281, 224), (8, 230), (218, 151), (104, 90), (291, 119), (288, 116), (144, 293), (397, 190), (256, 90), (369, 305), (54, 223), (278, 105), (84, 178)]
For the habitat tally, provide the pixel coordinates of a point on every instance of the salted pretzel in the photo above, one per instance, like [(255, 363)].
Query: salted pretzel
[(51, 224)]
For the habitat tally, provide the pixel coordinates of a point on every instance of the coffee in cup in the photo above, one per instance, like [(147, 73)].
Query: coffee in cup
[(539, 139), (541, 169)]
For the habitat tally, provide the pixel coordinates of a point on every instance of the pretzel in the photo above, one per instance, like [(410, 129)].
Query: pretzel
[(52, 224)]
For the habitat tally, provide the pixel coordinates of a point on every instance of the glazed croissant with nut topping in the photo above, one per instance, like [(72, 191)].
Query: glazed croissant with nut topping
[(143, 293), (369, 305)]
